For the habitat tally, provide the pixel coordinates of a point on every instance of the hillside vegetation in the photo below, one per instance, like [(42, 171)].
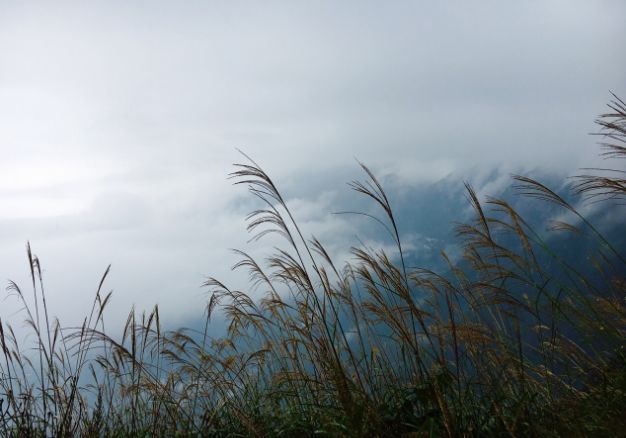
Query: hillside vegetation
[(515, 339)]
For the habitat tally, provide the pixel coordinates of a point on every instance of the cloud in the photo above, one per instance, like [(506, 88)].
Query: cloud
[(119, 121)]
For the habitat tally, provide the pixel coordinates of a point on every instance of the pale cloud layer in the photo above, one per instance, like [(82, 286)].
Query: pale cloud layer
[(119, 120)]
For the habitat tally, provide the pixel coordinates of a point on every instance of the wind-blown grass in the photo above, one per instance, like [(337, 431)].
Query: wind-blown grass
[(515, 339)]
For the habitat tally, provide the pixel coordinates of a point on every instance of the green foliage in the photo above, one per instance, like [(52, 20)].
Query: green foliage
[(513, 340)]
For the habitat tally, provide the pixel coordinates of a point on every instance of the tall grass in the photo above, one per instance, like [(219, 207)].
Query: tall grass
[(516, 339)]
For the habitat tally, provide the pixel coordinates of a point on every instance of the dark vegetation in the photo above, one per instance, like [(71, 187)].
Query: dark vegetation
[(520, 338)]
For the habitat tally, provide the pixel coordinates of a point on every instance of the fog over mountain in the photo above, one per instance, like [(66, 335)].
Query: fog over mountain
[(119, 124)]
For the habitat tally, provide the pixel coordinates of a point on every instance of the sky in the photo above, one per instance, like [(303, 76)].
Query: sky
[(120, 121)]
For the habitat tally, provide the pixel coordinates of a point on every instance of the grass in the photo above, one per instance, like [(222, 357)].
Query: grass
[(513, 340)]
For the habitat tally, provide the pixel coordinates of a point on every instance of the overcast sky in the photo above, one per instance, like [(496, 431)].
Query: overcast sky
[(119, 120)]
